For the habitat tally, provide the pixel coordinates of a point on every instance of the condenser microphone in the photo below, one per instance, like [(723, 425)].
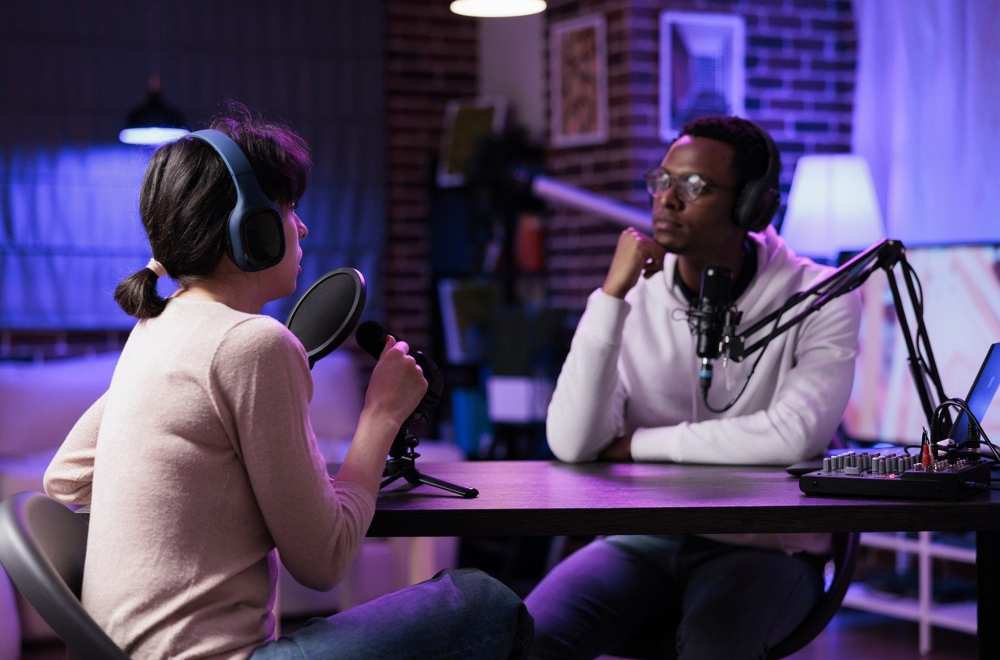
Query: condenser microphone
[(710, 319), (371, 337)]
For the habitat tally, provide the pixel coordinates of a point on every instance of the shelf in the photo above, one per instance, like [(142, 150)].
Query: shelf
[(904, 544), (954, 616)]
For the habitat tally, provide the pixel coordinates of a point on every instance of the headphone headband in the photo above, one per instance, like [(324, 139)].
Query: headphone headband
[(256, 239)]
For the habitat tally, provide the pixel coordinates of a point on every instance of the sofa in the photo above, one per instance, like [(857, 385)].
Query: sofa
[(40, 402)]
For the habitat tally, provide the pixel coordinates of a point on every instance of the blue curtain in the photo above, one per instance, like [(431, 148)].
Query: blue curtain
[(927, 115), (69, 224)]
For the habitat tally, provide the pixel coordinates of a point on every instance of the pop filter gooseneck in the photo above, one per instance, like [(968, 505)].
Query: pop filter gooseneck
[(327, 312)]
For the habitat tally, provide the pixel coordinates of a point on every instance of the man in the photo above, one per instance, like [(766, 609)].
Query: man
[(629, 389)]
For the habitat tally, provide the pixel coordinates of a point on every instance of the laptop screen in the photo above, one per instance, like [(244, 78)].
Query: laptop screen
[(984, 388)]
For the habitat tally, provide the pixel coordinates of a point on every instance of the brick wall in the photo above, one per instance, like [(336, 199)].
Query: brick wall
[(430, 58), (800, 67)]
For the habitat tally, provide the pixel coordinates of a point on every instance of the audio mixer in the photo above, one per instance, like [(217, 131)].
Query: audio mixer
[(896, 474)]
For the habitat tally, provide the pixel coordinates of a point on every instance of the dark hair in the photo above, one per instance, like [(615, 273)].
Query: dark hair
[(749, 142), (187, 195)]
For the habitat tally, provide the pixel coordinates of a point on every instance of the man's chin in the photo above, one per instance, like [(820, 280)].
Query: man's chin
[(669, 242)]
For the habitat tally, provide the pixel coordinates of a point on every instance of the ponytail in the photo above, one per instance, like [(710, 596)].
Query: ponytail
[(137, 294)]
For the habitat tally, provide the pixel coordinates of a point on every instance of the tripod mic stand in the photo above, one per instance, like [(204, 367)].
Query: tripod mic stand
[(402, 462)]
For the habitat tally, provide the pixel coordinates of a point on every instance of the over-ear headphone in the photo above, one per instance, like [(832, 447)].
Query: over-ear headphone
[(760, 197), (256, 238)]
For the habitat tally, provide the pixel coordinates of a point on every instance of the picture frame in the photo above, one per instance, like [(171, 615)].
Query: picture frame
[(466, 122), (578, 82), (702, 68)]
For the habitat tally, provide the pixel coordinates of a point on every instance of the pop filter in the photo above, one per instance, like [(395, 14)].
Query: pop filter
[(327, 312)]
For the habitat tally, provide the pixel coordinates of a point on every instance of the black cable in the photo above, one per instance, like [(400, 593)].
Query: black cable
[(963, 406), (704, 392)]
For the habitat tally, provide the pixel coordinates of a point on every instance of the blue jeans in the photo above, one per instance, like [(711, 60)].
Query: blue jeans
[(456, 614), (671, 596)]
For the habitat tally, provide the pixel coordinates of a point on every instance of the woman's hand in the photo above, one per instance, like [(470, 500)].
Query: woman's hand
[(397, 384)]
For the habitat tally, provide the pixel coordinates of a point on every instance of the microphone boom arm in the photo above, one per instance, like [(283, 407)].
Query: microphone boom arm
[(885, 255)]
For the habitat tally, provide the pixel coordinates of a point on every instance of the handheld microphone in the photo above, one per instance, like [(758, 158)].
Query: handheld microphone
[(371, 337), (710, 319)]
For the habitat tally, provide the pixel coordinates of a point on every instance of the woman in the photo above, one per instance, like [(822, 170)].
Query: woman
[(199, 462)]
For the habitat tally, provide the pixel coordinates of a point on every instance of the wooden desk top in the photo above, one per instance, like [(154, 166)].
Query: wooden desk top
[(543, 498)]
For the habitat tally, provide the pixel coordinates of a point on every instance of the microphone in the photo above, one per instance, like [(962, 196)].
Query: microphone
[(371, 337), (710, 319)]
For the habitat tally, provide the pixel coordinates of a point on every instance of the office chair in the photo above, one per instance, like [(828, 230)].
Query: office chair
[(42, 548), (844, 556)]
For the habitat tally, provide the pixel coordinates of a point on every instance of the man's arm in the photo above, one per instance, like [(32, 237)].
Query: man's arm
[(588, 405), (587, 410), (801, 418), (69, 477)]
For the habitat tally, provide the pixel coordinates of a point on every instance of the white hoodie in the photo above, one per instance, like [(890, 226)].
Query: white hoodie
[(632, 369)]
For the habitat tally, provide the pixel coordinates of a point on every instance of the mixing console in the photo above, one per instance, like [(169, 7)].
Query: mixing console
[(895, 474)]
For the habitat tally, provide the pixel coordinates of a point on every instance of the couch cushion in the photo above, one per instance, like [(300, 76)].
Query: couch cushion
[(40, 402)]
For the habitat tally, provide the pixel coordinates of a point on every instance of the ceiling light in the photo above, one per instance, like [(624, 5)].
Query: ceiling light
[(497, 8)]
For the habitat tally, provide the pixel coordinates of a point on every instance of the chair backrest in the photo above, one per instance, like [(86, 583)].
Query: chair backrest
[(660, 643), (845, 555), (42, 548)]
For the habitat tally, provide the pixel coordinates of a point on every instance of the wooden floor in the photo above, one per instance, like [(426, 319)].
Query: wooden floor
[(851, 635)]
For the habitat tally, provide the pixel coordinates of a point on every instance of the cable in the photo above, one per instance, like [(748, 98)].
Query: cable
[(704, 393), (962, 406)]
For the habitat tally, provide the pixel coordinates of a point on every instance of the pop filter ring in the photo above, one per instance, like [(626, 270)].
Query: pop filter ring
[(347, 325)]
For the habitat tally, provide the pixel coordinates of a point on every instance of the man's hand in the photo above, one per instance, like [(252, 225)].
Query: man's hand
[(636, 253), (620, 449)]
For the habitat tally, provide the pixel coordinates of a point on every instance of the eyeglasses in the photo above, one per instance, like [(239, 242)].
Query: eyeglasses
[(689, 187)]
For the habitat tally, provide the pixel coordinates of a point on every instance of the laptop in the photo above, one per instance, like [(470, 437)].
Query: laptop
[(981, 395)]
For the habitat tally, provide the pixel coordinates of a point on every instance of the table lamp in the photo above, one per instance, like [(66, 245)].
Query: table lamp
[(832, 207)]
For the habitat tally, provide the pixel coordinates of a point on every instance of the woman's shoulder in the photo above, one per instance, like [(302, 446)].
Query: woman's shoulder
[(261, 340)]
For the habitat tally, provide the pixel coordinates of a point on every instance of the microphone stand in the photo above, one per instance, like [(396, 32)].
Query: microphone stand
[(885, 255), (402, 462)]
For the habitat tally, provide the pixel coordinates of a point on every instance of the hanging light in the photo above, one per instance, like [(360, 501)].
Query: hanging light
[(497, 8), (153, 121)]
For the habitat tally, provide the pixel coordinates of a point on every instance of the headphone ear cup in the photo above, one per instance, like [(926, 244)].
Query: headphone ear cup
[(759, 200), (263, 239)]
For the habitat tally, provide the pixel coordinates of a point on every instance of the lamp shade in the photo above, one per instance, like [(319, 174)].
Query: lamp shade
[(832, 206), (153, 121), (497, 8)]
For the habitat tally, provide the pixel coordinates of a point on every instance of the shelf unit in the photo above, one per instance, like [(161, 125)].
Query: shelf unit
[(922, 610)]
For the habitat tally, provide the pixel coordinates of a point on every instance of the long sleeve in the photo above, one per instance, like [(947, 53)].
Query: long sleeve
[(799, 421), (69, 477), (587, 410), (317, 525)]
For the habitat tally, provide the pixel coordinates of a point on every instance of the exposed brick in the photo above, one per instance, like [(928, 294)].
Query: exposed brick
[(765, 42), (808, 44), (811, 126), (764, 82)]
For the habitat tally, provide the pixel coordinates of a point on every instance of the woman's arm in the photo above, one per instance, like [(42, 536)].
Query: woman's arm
[(69, 477)]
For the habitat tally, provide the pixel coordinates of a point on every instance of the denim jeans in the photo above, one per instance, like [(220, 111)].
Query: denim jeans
[(671, 596), (456, 614)]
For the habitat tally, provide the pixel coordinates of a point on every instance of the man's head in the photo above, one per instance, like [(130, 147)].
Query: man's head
[(701, 188)]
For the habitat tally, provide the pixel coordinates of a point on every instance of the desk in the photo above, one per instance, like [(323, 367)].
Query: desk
[(549, 498)]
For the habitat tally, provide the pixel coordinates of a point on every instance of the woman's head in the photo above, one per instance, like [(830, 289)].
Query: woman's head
[(187, 195)]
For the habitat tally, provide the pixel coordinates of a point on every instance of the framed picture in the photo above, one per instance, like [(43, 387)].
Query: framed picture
[(702, 68), (578, 77), (465, 124)]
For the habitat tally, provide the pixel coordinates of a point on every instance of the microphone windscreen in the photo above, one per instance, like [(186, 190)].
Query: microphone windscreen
[(371, 337), (328, 311)]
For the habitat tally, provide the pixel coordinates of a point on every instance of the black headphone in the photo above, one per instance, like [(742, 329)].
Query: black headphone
[(758, 201), (256, 237)]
